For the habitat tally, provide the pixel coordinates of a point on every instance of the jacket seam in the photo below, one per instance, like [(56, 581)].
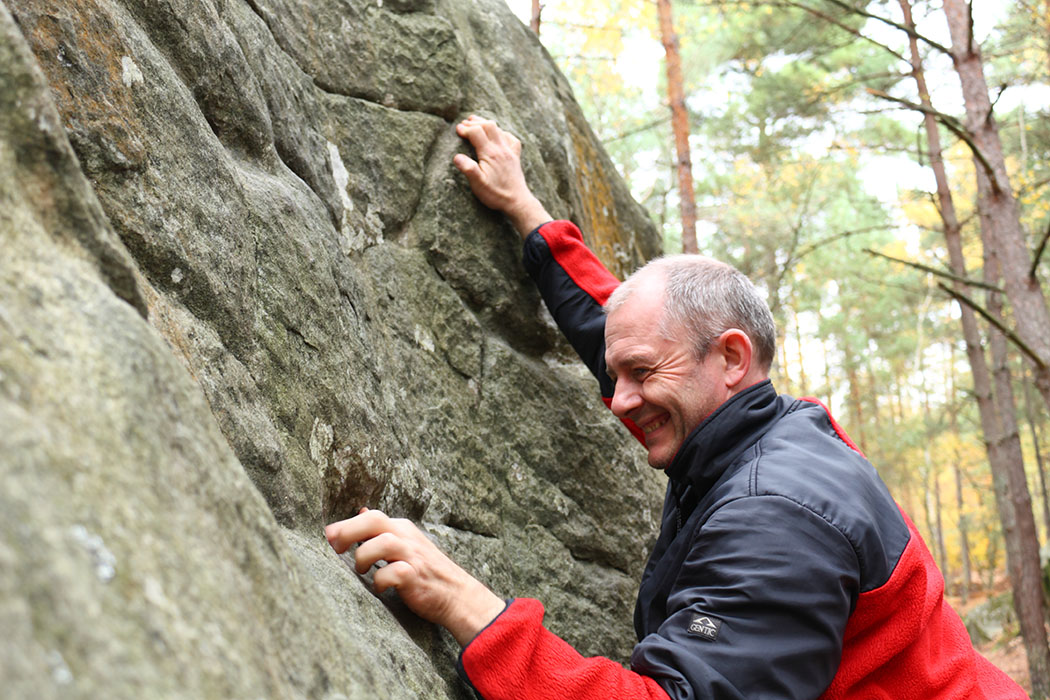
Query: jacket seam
[(830, 424), (800, 504), (752, 486)]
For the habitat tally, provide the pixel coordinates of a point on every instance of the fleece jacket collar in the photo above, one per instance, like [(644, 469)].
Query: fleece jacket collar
[(725, 435)]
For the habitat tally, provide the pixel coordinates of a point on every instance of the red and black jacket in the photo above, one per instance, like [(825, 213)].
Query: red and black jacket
[(783, 568)]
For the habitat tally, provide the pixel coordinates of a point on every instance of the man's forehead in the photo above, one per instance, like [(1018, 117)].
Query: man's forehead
[(646, 295), (634, 338)]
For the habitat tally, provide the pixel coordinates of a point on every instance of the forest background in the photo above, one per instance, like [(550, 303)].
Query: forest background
[(813, 148)]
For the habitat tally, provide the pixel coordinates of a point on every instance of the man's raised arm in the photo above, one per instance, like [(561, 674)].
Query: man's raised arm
[(573, 282)]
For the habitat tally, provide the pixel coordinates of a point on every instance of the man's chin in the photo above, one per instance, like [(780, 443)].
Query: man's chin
[(661, 455), (658, 461)]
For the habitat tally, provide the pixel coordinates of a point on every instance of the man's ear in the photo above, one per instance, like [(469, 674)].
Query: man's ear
[(738, 354)]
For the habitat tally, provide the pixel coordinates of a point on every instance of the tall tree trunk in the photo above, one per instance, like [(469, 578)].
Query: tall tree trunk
[(942, 551), (802, 381), (827, 370), (932, 499), (1015, 505), (931, 482), (999, 421), (982, 380), (960, 502), (964, 536), (899, 393), (679, 124), (992, 558), (856, 409), (1001, 440), (872, 391), (1030, 313), (782, 360), (897, 399), (534, 20), (1040, 466)]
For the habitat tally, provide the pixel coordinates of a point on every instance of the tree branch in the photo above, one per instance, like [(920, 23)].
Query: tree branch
[(1033, 185), (999, 94), (805, 250), (577, 25), (950, 123), (934, 271), (846, 84), (838, 23), (907, 30), (999, 325), (1039, 253), (831, 20), (796, 230), (971, 40), (583, 57), (910, 288), (637, 130)]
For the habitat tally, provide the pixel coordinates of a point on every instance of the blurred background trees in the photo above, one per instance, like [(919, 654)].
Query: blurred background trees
[(881, 170)]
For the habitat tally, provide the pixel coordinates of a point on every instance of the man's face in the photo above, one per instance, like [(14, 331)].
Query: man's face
[(660, 385)]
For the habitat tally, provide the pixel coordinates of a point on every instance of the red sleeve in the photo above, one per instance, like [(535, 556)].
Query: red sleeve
[(903, 640), (575, 285), (517, 658), (568, 249)]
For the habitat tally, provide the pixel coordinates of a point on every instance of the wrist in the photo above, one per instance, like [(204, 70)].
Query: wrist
[(527, 215), (480, 607)]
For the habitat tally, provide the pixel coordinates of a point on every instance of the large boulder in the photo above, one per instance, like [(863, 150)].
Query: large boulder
[(989, 621), (243, 293)]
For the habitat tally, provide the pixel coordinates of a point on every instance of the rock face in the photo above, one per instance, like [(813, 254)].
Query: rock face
[(243, 293)]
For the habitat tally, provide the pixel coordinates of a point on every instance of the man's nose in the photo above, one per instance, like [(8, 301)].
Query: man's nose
[(626, 398)]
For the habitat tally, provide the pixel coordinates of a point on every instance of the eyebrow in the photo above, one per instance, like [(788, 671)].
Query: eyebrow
[(634, 358)]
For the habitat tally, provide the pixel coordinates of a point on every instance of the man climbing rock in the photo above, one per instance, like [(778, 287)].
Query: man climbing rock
[(783, 567)]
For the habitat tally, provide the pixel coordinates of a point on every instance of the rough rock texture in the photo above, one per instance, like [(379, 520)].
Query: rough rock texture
[(243, 293)]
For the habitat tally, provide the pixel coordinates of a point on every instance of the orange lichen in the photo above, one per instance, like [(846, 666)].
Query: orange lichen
[(173, 330), (81, 54), (599, 216)]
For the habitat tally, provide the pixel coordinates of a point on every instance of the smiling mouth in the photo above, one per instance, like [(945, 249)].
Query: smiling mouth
[(655, 423)]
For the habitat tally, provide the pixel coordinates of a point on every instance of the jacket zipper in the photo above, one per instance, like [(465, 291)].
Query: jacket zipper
[(677, 510)]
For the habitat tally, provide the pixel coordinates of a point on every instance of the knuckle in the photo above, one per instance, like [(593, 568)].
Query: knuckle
[(385, 539), (400, 569), (394, 575), (402, 525)]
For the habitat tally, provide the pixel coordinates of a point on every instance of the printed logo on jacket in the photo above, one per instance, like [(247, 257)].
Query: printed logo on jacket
[(705, 627)]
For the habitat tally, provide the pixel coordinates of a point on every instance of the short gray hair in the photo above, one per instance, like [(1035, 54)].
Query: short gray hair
[(706, 297)]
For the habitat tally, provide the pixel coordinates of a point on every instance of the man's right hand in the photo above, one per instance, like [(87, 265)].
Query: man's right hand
[(431, 584), (496, 177)]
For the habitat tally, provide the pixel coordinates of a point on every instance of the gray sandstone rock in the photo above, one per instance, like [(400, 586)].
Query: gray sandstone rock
[(243, 292)]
